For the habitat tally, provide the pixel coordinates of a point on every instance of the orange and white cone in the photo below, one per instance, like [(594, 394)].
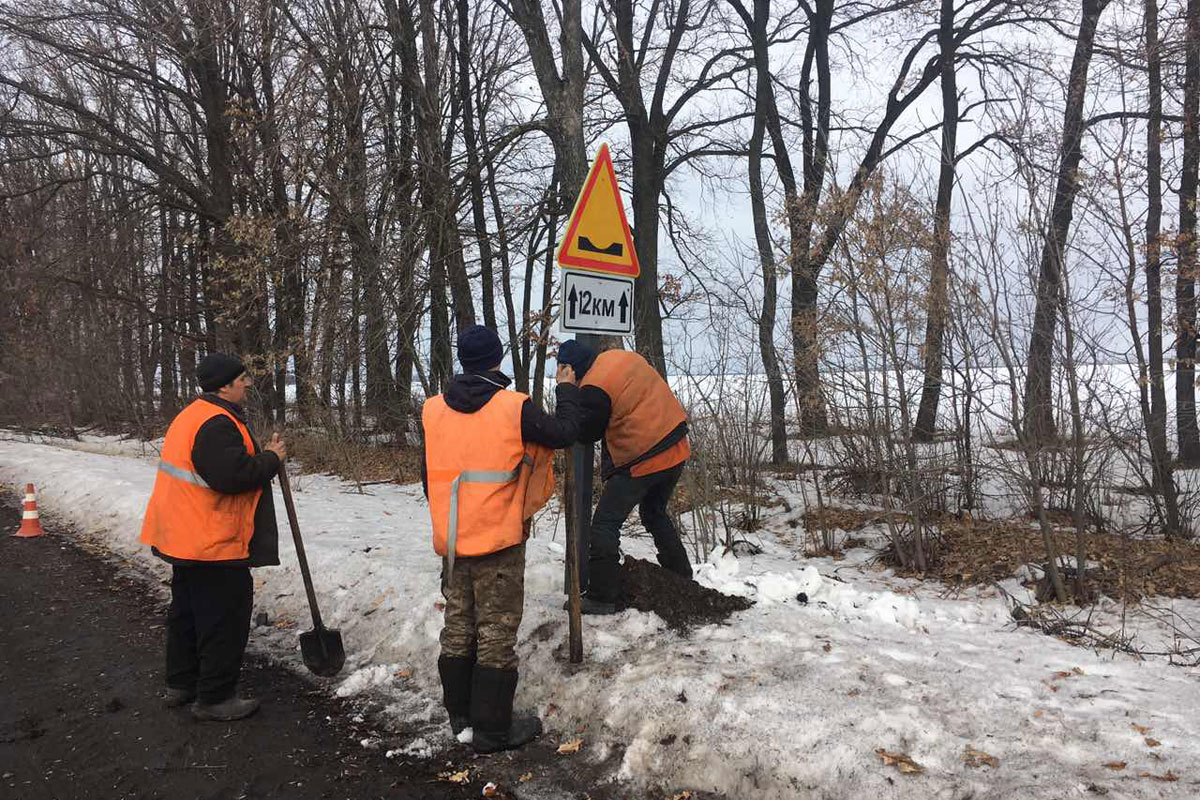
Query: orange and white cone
[(31, 523)]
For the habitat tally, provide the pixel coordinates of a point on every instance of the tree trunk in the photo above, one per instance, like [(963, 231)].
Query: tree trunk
[(543, 338), (1156, 412), (364, 251), (474, 176), (764, 106), (168, 320), (1185, 282), (939, 263), (563, 93), (648, 169), (442, 208), (815, 147), (1038, 401)]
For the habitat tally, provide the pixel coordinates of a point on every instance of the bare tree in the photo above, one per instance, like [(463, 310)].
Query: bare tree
[(1185, 281), (766, 109), (939, 264), (1039, 410)]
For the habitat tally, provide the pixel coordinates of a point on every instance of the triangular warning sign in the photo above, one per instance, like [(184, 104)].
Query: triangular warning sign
[(598, 237)]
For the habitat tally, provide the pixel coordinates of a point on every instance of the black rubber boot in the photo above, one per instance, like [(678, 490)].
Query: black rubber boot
[(491, 712), (456, 672), (592, 606), (604, 580)]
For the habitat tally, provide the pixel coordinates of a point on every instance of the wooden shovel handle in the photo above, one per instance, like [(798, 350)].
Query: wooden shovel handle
[(288, 503)]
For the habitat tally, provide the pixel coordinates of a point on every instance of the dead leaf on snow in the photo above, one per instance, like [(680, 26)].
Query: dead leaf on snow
[(1142, 729), (403, 673), (901, 761), (455, 777), (1150, 742), (570, 747), (1170, 777), (1115, 765), (978, 758)]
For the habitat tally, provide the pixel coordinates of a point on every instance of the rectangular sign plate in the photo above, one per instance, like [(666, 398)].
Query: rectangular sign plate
[(594, 303)]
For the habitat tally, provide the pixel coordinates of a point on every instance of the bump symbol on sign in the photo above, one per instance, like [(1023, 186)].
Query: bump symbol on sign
[(613, 249)]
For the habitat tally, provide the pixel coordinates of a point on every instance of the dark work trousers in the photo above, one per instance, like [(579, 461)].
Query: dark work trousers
[(208, 626), (650, 493)]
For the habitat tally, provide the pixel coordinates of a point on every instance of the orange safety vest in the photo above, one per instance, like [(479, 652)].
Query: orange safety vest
[(186, 519), (484, 481), (644, 410)]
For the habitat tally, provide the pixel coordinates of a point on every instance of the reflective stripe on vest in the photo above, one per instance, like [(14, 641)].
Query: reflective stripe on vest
[(182, 474), (186, 518), (474, 476), (476, 486)]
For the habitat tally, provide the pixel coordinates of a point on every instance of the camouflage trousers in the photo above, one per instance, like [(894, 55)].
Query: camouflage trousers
[(485, 598)]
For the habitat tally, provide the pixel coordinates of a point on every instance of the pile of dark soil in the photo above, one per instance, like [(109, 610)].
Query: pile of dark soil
[(680, 602)]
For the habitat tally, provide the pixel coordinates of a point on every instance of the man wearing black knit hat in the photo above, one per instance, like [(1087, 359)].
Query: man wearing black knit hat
[(211, 516), (486, 470)]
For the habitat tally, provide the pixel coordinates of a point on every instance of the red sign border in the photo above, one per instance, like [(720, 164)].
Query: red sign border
[(603, 160)]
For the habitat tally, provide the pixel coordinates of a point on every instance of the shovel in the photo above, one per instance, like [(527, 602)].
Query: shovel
[(321, 648)]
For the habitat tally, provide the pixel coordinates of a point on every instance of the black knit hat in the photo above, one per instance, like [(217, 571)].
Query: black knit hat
[(479, 349), (216, 370), (576, 355)]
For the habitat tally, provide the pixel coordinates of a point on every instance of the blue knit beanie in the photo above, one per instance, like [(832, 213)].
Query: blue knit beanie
[(576, 355), (479, 349)]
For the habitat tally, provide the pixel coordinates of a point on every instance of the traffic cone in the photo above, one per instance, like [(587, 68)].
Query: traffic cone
[(31, 523)]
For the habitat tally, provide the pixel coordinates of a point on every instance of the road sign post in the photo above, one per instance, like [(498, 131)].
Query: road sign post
[(599, 267)]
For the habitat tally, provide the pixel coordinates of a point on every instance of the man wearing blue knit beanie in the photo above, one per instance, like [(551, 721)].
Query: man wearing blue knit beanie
[(486, 470), (628, 405)]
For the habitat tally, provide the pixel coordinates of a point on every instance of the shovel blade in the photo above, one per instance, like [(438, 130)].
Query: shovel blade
[(323, 651)]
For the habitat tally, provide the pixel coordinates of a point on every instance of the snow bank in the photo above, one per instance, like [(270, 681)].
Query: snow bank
[(791, 699)]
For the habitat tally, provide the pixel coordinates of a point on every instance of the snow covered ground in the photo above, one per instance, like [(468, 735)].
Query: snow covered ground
[(788, 700)]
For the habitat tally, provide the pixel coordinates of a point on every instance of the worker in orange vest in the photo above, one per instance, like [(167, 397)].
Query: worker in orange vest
[(486, 470), (212, 518), (627, 403)]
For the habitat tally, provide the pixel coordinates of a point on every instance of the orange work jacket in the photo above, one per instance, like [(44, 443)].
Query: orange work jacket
[(644, 410), (484, 481), (186, 519)]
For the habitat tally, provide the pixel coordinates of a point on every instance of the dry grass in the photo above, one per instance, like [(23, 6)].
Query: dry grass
[(354, 461), (980, 552)]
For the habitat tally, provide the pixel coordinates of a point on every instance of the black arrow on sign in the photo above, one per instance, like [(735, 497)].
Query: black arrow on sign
[(571, 300), (624, 304)]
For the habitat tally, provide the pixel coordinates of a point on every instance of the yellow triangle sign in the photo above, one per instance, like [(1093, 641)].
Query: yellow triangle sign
[(598, 237)]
